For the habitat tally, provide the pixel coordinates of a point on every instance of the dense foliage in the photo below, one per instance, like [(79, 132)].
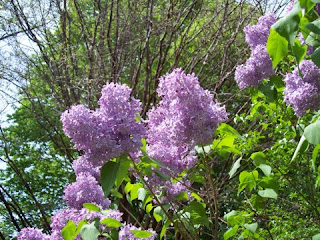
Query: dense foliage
[(175, 161)]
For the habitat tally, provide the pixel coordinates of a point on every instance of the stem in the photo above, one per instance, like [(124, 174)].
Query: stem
[(183, 233), (214, 195), (131, 215)]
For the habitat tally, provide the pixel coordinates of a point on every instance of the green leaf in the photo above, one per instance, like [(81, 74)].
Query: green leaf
[(312, 133), (316, 237), (116, 193), (108, 176), (164, 228), (90, 231), (110, 222), (141, 233), (196, 196), (269, 91), (182, 196), (251, 227), (314, 156), (314, 26), (128, 187), (141, 194), (248, 180), (298, 50), (199, 149), (147, 200), (268, 193), (157, 212), (257, 201), (231, 232), (123, 169), (92, 207), (300, 148), (236, 220), (235, 167), (278, 82), (288, 25), (313, 40), (232, 213), (316, 57), (269, 182), (69, 231), (149, 208), (266, 169), (277, 47), (134, 191), (228, 130), (83, 222), (196, 208), (307, 4), (258, 158)]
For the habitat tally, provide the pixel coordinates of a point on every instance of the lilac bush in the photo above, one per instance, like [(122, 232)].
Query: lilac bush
[(186, 116)]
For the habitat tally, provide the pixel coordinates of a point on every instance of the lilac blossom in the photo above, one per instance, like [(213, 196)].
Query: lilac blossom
[(85, 190), (290, 6), (61, 218), (173, 189), (256, 68), (302, 93), (259, 65), (109, 131), (126, 234), (31, 234), (177, 158), (114, 214), (55, 235), (84, 165), (258, 34), (185, 116), (168, 190)]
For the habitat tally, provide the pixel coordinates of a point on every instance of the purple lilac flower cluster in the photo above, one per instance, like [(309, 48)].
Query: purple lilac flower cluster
[(126, 234), (257, 68), (32, 234), (303, 92), (85, 190), (83, 165), (60, 219), (108, 131), (185, 116), (259, 65), (258, 34)]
